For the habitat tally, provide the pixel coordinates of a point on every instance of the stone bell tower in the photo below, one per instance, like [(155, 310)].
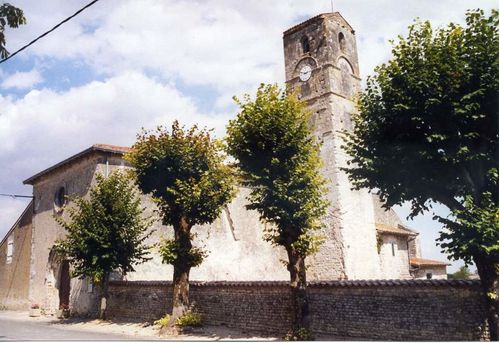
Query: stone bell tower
[(322, 68)]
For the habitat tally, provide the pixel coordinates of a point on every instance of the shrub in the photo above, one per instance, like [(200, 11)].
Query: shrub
[(189, 319), (301, 334), (163, 321)]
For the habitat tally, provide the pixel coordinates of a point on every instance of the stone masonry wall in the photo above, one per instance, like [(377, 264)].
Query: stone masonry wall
[(382, 310)]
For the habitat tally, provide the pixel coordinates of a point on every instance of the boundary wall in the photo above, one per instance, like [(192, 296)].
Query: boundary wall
[(374, 309)]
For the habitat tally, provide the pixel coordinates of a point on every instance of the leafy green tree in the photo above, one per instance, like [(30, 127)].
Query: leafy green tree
[(428, 131), (9, 16), (106, 232), (279, 161), (184, 171), (462, 274)]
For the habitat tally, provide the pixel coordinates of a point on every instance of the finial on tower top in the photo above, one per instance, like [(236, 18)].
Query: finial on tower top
[(332, 7)]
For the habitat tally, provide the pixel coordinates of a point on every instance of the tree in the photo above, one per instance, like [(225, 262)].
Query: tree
[(428, 131), (462, 274), (107, 232), (184, 171), (279, 161), (12, 17)]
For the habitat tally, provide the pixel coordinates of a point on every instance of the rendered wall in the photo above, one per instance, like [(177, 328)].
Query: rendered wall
[(76, 178), (380, 310), (437, 272), (394, 261), (14, 276), (231, 240)]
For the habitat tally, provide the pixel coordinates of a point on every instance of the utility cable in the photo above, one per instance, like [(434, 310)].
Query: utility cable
[(16, 196), (49, 31)]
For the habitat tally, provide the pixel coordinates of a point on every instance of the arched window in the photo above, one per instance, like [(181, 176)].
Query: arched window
[(60, 198), (341, 41), (305, 44)]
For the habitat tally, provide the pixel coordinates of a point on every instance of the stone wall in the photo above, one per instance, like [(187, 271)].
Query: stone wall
[(382, 310)]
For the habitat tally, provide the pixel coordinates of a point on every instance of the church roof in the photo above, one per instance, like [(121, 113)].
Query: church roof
[(396, 230), (114, 149), (321, 16), (28, 211), (422, 262)]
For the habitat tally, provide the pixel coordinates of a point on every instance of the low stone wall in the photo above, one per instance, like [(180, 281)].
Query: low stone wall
[(384, 310)]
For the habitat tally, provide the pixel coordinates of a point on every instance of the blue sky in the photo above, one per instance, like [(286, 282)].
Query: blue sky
[(122, 65)]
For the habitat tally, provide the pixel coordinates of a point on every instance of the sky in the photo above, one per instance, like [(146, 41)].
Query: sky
[(124, 64)]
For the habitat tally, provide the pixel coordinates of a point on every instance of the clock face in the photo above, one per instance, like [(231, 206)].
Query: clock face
[(305, 73)]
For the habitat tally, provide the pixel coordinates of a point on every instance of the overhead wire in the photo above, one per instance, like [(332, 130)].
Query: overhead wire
[(49, 31), (14, 196)]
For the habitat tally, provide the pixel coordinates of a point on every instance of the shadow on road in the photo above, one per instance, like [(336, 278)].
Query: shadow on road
[(146, 329)]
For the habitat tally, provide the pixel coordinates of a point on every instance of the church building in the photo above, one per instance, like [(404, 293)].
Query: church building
[(362, 240)]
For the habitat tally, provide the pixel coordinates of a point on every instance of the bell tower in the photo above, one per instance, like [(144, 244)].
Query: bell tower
[(322, 67)]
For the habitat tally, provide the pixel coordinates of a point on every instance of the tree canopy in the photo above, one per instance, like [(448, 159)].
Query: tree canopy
[(428, 131), (278, 158), (105, 232), (9, 16), (184, 171)]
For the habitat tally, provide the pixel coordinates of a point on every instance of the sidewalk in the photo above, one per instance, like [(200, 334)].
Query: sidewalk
[(138, 331)]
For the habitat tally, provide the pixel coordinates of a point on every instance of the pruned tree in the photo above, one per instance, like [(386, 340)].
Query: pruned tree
[(9, 16), (185, 173), (428, 131), (278, 158), (105, 232)]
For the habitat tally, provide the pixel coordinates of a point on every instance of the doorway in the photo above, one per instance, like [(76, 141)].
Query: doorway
[(64, 285)]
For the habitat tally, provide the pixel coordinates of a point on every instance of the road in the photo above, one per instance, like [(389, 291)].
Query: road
[(40, 329)]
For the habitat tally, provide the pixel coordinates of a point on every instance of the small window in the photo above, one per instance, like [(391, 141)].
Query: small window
[(429, 276), (60, 197), (10, 250), (341, 41), (393, 249), (305, 44)]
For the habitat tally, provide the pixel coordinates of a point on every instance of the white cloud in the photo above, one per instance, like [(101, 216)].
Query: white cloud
[(44, 127), (231, 46), (22, 80)]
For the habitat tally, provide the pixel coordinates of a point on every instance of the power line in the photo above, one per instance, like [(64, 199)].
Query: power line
[(49, 31), (16, 196)]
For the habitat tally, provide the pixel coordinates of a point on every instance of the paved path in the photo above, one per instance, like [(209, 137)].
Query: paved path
[(18, 326)]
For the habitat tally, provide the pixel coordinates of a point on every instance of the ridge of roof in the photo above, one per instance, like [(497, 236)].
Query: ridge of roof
[(299, 26), (115, 149)]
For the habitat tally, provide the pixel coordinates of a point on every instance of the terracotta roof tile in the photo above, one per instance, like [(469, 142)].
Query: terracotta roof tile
[(421, 262), (396, 230)]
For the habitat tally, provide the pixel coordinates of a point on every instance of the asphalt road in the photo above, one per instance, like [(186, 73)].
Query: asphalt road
[(13, 329)]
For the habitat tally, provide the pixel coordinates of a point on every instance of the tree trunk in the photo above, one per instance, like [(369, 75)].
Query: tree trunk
[(487, 270), (181, 271), (296, 267), (104, 296)]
